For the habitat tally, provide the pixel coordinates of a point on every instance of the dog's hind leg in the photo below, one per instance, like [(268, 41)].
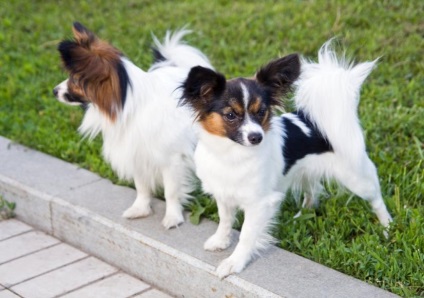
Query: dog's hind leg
[(311, 193), (177, 189), (362, 180), (312, 190)]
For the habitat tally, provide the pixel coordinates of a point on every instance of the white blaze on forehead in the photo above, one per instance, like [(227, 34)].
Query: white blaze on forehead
[(248, 127), (245, 95)]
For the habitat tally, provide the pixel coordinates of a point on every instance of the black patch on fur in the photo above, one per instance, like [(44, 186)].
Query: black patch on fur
[(278, 76), (65, 49), (74, 98), (124, 81), (201, 88), (79, 27), (157, 55), (297, 144)]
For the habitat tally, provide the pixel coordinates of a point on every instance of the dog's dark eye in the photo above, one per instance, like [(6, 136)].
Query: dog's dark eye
[(230, 116), (261, 112)]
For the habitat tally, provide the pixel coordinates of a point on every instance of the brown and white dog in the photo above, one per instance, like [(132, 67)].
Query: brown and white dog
[(146, 136)]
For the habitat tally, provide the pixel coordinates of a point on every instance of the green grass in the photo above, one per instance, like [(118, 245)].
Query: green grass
[(239, 37), (6, 209)]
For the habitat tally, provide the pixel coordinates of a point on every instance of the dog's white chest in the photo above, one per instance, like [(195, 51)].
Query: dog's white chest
[(229, 170)]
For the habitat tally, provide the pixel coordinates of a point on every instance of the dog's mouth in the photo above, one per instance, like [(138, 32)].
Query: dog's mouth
[(74, 99), (68, 98)]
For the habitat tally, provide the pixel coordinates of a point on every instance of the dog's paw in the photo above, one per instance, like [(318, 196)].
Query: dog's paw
[(172, 220), (215, 243), (229, 266), (136, 212)]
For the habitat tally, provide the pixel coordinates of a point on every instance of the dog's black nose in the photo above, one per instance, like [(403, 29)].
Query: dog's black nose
[(255, 138), (55, 92)]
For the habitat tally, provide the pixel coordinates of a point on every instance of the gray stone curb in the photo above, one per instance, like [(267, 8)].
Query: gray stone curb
[(85, 210)]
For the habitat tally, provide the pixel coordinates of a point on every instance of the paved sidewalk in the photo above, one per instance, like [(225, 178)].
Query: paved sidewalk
[(85, 210), (34, 264)]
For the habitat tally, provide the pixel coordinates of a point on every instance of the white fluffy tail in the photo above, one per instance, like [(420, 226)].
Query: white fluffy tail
[(174, 52), (328, 93)]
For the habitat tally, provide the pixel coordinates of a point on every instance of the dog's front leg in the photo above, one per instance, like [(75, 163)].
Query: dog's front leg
[(254, 235), (222, 237)]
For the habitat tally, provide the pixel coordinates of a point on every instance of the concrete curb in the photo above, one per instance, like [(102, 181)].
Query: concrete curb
[(85, 210)]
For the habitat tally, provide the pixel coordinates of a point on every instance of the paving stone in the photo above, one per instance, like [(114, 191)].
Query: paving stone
[(32, 265), (12, 227), (153, 293), (41, 171), (32, 205), (120, 285), (4, 143), (8, 294), (24, 244), (66, 279)]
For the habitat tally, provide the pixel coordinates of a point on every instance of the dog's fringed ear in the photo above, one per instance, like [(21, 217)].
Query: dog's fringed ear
[(201, 86), (279, 75), (82, 44), (83, 36), (95, 67)]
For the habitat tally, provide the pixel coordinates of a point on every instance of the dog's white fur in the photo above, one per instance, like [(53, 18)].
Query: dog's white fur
[(152, 140), (246, 178), (328, 92), (251, 178)]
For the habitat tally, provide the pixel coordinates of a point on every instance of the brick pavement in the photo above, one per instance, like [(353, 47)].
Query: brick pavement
[(34, 264)]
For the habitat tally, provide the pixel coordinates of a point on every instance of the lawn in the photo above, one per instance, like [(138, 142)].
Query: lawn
[(239, 37)]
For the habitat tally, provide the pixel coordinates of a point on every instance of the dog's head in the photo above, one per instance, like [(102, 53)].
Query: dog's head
[(96, 73), (239, 109)]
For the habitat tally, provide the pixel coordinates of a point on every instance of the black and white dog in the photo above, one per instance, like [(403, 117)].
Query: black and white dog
[(248, 159)]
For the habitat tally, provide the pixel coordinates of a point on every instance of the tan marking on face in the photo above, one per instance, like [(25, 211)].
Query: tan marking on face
[(255, 106), (214, 124), (74, 88), (227, 110), (236, 106), (266, 121)]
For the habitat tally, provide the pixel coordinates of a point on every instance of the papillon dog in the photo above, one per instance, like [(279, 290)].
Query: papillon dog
[(248, 159), (147, 138)]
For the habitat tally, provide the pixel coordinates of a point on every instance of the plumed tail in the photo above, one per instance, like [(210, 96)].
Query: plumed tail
[(328, 93), (174, 52)]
